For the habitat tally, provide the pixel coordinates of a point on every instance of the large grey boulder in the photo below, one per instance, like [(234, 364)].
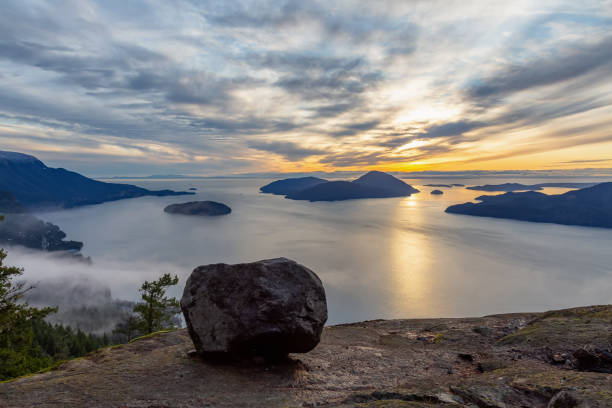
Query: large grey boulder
[(268, 308)]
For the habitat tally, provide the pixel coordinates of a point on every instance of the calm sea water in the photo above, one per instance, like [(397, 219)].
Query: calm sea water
[(378, 258)]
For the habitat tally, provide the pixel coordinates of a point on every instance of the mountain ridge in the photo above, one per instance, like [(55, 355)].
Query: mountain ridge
[(39, 187)]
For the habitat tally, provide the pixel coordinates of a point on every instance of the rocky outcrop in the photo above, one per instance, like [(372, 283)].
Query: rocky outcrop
[(209, 208), (383, 363), (268, 308), (37, 186), (590, 207)]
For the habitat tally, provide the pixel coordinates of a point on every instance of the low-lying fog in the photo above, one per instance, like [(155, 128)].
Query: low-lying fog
[(378, 258)]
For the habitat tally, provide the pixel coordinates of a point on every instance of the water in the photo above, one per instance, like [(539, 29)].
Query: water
[(378, 258)]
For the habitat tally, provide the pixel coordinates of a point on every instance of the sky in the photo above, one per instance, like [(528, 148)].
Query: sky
[(226, 87)]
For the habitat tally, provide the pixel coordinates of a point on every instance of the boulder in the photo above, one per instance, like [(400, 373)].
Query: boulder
[(267, 308)]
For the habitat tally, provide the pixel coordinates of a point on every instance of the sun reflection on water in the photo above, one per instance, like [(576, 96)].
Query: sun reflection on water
[(411, 255)]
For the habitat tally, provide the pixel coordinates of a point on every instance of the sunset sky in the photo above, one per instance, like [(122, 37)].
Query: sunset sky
[(225, 87)]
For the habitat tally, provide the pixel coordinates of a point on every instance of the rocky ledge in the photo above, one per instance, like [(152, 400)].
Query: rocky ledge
[(554, 359)]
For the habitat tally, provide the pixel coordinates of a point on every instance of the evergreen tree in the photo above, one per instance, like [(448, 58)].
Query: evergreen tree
[(156, 311), (19, 353), (128, 329), (27, 342)]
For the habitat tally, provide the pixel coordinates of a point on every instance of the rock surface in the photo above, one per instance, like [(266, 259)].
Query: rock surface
[(393, 363), (210, 208), (591, 207), (268, 308)]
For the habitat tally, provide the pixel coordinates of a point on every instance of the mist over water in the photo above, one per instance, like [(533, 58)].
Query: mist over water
[(378, 258)]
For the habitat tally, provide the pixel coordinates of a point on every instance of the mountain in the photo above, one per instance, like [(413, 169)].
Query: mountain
[(37, 186), (374, 184), (291, 185), (9, 204), (591, 207), (378, 179)]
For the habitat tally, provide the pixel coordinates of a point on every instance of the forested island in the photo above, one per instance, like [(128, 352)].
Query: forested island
[(591, 207), (374, 184)]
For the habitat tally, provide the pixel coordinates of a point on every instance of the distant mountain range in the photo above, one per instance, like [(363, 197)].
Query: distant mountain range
[(374, 184), (591, 207), (525, 187), (37, 186)]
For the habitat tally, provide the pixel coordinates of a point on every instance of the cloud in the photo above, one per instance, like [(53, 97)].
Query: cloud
[(450, 129), (214, 87), (289, 150), (568, 63)]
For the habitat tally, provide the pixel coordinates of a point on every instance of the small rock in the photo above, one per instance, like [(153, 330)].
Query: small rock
[(491, 365), (483, 331), (596, 360), (268, 308), (564, 399), (466, 357)]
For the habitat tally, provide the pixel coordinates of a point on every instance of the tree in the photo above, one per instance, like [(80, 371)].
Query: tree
[(127, 329), (19, 353), (156, 311)]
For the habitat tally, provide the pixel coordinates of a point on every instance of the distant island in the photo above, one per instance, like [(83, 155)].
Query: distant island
[(207, 208), (437, 192), (591, 207), (39, 187), (439, 185), (507, 187), (374, 184)]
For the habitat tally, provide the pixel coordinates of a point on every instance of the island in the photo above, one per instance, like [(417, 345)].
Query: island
[(439, 185), (374, 184), (507, 187), (458, 185), (437, 192), (291, 185), (39, 187), (590, 207), (205, 208)]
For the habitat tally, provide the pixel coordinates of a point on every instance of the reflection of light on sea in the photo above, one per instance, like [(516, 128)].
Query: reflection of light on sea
[(410, 261)]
